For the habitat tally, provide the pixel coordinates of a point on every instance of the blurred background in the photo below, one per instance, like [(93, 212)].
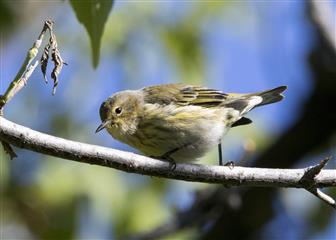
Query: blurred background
[(233, 46)]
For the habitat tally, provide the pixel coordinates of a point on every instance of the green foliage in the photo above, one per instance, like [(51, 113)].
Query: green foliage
[(6, 16), (93, 15), (184, 43)]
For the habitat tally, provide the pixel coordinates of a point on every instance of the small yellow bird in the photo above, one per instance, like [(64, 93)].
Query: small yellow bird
[(178, 122)]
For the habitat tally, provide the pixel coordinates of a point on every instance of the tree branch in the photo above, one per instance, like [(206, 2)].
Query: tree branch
[(23, 137), (308, 179), (323, 16)]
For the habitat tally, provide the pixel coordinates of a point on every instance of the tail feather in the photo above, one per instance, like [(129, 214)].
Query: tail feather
[(270, 96), (241, 121), (246, 102)]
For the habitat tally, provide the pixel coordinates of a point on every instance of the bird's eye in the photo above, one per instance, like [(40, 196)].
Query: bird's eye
[(118, 110)]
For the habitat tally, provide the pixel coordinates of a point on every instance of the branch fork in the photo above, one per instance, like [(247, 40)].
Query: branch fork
[(309, 182)]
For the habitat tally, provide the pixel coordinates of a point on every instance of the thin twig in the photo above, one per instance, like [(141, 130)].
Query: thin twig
[(27, 68), (21, 76), (324, 197)]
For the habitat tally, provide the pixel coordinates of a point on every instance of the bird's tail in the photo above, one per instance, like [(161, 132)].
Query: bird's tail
[(270, 96), (244, 103)]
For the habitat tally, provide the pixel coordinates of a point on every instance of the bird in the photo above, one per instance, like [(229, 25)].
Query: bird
[(178, 122)]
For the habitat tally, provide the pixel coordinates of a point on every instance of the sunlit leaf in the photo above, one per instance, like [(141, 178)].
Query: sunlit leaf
[(93, 15)]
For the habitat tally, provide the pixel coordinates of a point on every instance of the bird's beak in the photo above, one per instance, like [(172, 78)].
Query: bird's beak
[(102, 126)]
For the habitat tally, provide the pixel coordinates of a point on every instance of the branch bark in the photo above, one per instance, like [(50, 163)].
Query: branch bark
[(24, 137)]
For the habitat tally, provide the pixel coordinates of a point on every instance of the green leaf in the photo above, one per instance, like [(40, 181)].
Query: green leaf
[(93, 15)]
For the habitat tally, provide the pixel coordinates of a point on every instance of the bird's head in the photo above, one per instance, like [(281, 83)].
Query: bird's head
[(120, 113)]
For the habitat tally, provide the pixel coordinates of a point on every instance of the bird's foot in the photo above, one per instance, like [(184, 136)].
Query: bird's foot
[(167, 158), (230, 164)]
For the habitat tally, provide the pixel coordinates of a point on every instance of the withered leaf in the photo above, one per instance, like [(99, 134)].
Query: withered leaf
[(57, 59), (44, 61)]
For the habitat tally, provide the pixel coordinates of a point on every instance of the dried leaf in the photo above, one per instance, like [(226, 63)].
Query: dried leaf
[(27, 67), (44, 61), (57, 59)]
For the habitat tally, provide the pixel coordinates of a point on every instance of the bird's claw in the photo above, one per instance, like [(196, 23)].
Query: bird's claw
[(172, 163), (167, 158), (230, 164)]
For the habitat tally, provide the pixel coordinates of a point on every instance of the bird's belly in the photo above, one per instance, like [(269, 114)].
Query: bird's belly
[(192, 136), (201, 143)]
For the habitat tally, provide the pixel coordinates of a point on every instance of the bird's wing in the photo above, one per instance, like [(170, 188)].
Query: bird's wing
[(183, 94)]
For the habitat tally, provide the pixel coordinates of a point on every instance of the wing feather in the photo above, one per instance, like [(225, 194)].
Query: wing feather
[(183, 94)]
